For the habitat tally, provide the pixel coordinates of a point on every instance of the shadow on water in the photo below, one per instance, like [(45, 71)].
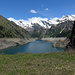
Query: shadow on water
[(38, 46)]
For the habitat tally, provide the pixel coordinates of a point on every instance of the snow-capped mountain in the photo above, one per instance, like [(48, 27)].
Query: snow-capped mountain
[(43, 23), (66, 18), (57, 27)]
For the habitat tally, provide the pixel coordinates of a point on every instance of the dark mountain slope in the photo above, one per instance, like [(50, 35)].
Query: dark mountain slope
[(71, 45), (61, 29)]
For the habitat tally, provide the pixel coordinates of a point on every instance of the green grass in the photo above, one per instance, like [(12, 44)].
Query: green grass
[(38, 64)]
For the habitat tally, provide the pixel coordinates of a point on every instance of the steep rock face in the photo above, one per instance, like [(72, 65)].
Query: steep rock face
[(61, 29), (71, 44)]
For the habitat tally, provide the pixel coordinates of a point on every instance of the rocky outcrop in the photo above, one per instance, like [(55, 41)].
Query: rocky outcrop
[(61, 43), (71, 44)]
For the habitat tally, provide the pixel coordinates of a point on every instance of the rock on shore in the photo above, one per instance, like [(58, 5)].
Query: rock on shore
[(61, 43)]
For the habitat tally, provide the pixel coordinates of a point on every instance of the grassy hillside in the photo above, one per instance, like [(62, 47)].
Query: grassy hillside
[(10, 29), (38, 64)]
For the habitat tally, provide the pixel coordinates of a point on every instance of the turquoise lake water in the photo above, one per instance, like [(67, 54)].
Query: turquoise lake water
[(32, 47)]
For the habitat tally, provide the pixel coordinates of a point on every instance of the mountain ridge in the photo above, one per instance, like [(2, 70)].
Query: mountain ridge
[(44, 23), (59, 28)]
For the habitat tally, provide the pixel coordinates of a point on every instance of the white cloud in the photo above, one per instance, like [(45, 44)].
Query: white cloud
[(46, 9), (33, 11)]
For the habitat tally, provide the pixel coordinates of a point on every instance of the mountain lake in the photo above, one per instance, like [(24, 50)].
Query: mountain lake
[(32, 47)]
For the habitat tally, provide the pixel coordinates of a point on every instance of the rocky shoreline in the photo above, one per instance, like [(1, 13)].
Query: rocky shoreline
[(60, 42), (8, 42)]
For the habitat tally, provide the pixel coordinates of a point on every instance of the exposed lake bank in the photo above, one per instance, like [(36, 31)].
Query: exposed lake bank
[(8, 42), (60, 42), (50, 40)]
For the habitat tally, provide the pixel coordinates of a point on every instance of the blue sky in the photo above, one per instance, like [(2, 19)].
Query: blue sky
[(24, 9)]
